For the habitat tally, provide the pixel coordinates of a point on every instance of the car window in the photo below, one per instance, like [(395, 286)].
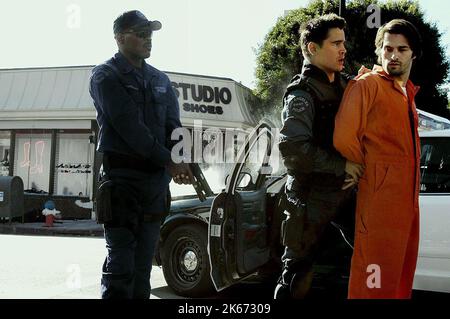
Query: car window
[(435, 165), (276, 162), (253, 162), (252, 165)]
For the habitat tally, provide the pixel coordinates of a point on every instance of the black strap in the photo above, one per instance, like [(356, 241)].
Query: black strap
[(106, 165), (120, 161)]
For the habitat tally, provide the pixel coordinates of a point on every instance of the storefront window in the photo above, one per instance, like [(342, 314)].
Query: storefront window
[(5, 141), (74, 165), (32, 160)]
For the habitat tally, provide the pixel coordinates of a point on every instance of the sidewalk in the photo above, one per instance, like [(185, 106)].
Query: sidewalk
[(82, 228)]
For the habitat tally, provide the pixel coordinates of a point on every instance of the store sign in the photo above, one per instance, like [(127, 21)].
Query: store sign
[(211, 99), (199, 98), (71, 168)]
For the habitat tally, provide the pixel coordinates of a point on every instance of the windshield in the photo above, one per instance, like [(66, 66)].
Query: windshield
[(214, 174)]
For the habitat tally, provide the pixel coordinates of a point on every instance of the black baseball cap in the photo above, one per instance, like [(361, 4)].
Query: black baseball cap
[(136, 20)]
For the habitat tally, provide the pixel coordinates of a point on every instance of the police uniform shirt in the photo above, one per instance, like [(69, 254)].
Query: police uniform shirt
[(137, 110)]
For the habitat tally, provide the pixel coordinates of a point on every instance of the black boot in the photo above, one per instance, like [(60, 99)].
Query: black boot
[(301, 284), (282, 290), (294, 282)]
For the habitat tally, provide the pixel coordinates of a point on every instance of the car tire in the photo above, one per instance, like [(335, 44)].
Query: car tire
[(185, 261)]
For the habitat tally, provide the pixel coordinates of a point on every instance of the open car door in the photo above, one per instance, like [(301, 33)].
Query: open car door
[(238, 236)]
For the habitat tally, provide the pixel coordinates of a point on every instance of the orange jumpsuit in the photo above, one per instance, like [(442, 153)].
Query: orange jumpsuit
[(377, 126)]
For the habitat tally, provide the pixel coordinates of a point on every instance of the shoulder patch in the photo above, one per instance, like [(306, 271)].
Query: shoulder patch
[(299, 104), (100, 73)]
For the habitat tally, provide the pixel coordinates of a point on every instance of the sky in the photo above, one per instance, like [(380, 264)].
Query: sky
[(207, 37)]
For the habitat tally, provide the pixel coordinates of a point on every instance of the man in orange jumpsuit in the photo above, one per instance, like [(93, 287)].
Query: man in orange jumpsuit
[(376, 126)]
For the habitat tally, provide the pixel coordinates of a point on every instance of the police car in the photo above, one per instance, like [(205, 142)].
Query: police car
[(433, 264), (210, 245)]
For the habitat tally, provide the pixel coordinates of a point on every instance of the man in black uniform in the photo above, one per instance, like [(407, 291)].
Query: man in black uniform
[(137, 110), (317, 184)]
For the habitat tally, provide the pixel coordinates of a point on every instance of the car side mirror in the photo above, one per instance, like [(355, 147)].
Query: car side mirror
[(244, 180)]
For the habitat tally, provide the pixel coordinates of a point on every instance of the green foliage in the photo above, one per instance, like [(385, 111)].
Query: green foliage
[(279, 57)]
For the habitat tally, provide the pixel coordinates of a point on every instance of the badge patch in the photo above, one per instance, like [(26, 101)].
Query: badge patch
[(160, 89), (299, 104), (100, 74)]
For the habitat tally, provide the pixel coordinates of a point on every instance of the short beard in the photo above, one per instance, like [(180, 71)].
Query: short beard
[(395, 72)]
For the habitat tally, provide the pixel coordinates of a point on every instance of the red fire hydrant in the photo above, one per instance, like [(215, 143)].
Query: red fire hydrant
[(50, 213), (49, 220)]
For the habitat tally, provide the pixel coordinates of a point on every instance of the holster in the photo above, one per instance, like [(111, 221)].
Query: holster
[(103, 205), (103, 199), (292, 227)]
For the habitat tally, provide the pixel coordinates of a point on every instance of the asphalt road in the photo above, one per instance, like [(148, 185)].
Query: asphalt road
[(51, 267)]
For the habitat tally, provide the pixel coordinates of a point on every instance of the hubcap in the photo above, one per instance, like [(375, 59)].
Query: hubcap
[(190, 260)]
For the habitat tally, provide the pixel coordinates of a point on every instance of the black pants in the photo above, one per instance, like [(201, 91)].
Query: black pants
[(321, 206), (132, 234)]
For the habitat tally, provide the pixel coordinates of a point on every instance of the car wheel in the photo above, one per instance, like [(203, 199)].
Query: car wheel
[(185, 261)]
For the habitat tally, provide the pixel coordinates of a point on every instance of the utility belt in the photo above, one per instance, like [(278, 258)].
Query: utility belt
[(296, 209), (103, 199), (320, 180), (121, 161)]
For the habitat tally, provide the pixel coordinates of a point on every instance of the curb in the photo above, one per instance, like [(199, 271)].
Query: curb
[(12, 229)]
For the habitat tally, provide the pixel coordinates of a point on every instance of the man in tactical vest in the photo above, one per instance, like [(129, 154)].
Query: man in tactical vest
[(319, 178)]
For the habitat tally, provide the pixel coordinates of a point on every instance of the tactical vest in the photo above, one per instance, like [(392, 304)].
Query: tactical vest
[(326, 99)]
